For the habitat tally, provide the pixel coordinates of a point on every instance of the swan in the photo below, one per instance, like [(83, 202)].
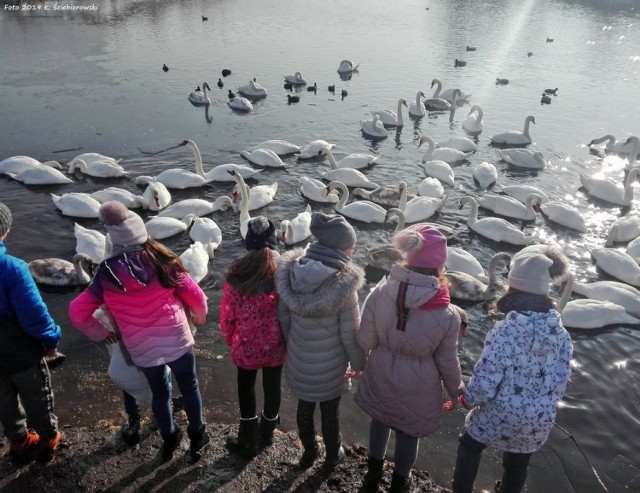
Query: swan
[(612, 291), (494, 228), (207, 232), (220, 172), (280, 147), (90, 242), (349, 176), (156, 196), (77, 204), (90, 157), (440, 170), (417, 109), (200, 97), (510, 207), (609, 191), (355, 161), (196, 260), (521, 192), (244, 218), (295, 79), (253, 90), (16, 164), (160, 228), (466, 287), (241, 104), (635, 149), (390, 195), (384, 256), (180, 178), (316, 190), (40, 175), (485, 174), (431, 187), (125, 197), (420, 209), (446, 231), (564, 215), (633, 249), (313, 149), (624, 229), (259, 196), (458, 259), (439, 104), (389, 118), (374, 128), (347, 66), (297, 229), (199, 207), (362, 210), (513, 137), (613, 145), (473, 123), (463, 144), (98, 169), (264, 157), (523, 158), (618, 264), (442, 153), (447, 94), (59, 272)]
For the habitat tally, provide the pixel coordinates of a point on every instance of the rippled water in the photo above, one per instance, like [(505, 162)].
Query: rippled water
[(94, 81)]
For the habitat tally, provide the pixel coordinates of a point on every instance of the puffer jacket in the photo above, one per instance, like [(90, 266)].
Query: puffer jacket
[(152, 319), (402, 384), (517, 382), (319, 317)]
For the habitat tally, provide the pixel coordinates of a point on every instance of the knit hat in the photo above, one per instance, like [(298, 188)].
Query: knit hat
[(5, 219), (422, 246), (332, 231), (534, 268), (125, 227), (261, 233)]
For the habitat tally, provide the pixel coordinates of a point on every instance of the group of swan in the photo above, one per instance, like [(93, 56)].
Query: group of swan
[(351, 177), (449, 94), (608, 191), (361, 210), (466, 287), (155, 197)]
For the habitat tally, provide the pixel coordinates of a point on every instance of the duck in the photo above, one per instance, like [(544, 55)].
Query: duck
[(523, 158), (384, 256), (530, 54), (520, 192), (90, 242), (447, 94), (473, 123), (459, 63), (351, 177), (504, 205), (164, 67), (226, 72), (280, 147), (288, 86), (316, 190), (417, 109), (466, 287), (220, 172), (609, 191), (549, 40), (344, 93), (421, 208), (204, 18), (615, 292), (445, 154), (16, 164), (297, 229), (296, 79), (431, 187), (314, 149), (253, 90), (564, 215), (263, 157), (545, 99), (361, 210), (313, 88), (240, 104), (618, 264), (98, 169), (40, 175), (460, 260), (612, 145), (502, 82), (355, 161), (389, 195), (59, 272), (196, 260), (292, 99), (485, 174), (347, 66), (259, 196), (471, 48), (198, 207), (390, 118), (200, 97), (494, 228), (231, 94), (551, 91), (207, 232), (439, 169), (513, 137), (77, 204), (374, 128), (220, 83), (160, 228), (625, 228), (463, 144), (332, 88)]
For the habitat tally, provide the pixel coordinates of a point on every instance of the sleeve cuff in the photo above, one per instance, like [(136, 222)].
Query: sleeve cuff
[(464, 403)]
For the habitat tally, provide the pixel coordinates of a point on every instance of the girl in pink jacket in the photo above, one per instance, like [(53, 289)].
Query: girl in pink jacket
[(249, 324), (151, 297)]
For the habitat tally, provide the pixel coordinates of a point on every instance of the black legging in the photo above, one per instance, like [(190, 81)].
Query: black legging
[(247, 393)]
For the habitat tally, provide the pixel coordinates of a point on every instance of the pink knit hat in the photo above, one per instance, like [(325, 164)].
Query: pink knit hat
[(422, 246)]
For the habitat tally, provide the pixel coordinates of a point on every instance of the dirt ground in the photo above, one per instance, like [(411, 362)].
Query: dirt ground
[(96, 459)]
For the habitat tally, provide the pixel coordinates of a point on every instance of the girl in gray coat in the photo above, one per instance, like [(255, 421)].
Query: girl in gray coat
[(319, 317)]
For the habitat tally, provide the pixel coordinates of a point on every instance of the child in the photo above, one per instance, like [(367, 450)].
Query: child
[(521, 375), (27, 332), (318, 312), (249, 324), (146, 289), (412, 332)]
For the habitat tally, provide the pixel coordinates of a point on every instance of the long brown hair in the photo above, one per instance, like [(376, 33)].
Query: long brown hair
[(166, 263), (253, 272), (427, 271)]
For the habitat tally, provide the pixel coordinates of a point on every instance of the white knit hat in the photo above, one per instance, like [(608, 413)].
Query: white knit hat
[(530, 273)]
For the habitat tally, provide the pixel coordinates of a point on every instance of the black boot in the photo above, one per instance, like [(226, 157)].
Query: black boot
[(373, 476), (246, 443), (200, 440), (332, 440), (131, 431), (401, 484), (267, 426), (171, 443), (311, 450)]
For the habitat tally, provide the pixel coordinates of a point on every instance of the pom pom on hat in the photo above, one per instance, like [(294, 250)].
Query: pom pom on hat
[(422, 246), (332, 231), (6, 219), (125, 227), (261, 233), (534, 268)]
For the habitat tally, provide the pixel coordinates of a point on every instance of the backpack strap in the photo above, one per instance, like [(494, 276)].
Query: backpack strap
[(402, 312)]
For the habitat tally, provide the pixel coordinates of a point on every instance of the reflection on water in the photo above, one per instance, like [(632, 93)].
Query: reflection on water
[(94, 82)]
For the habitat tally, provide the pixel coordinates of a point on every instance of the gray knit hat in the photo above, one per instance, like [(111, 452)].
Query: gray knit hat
[(125, 227), (332, 231), (5, 219)]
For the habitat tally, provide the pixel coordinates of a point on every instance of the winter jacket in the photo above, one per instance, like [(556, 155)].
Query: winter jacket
[(517, 382), (402, 384), (25, 324), (319, 317), (250, 326), (152, 319)]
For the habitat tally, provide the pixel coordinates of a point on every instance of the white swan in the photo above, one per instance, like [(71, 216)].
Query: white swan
[(422, 208), (264, 157), (77, 204), (90, 242), (473, 123), (633, 249), (199, 207), (244, 218), (98, 169), (510, 207), (447, 94), (196, 260), (441, 153), (564, 215), (389, 195), (295, 79), (635, 149), (297, 229), (347, 66), (59, 272), (458, 259), (313, 149), (349, 176), (494, 228), (485, 174), (207, 232), (431, 187), (241, 104), (125, 197), (16, 164), (625, 228), (200, 97), (613, 145), (609, 191), (361, 210), (523, 158), (280, 147), (40, 175), (521, 192), (463, 144), (220, 172), (615, 292), (160, 228), (463, 286), (374, 128), (390, 118), (316, 190), (618, 264), (513, 137), (440, 170), (417, 109), (259, 196), (253, 90), (355, 161), (90, 157)]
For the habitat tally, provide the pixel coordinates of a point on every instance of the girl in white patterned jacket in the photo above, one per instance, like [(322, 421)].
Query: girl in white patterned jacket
[(521, 375)]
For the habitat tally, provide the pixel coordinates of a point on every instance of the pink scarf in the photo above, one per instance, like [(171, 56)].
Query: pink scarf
[(439, 300)]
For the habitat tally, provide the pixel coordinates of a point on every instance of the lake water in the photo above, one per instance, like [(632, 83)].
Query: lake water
[(94, 81)]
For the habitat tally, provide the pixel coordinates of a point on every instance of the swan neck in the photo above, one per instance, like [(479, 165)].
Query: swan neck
[(78, 266), (525, 131), (438, 89), (473, 214), (401, 221), (400, 111), (344, 195), (197, 156), (628, 184), (332, 160), (204, 90), (566, 294), (403, 196)]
